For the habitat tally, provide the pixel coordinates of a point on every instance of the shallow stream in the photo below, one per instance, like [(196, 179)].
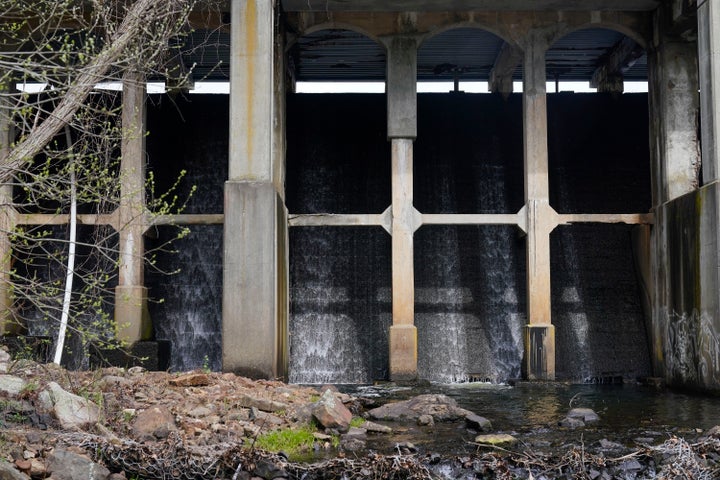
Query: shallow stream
[(630, 415)]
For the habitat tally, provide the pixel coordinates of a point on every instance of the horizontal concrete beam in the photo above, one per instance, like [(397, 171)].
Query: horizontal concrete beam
[(64, 218), (189, 219), (629, 218), (456, 5), (518, 219), (342, 220)]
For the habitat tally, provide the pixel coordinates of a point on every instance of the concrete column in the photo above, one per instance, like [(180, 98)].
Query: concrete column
[(8, 323), (255, 284), (708, 15), (131, 313), (402, 130), (539, 333), (674, 105)]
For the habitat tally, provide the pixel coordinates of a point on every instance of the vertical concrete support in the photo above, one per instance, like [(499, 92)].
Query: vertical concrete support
[(674, 105), (402, 130), (131, 312), (255, 283), (8, 323), (539, 333), (708, 15)]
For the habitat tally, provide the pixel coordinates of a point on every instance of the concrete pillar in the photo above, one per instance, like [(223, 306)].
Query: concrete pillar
[(402, 130), (8, 323), (255, 284), (674, 105), (539, 333), (708, 15), (131, 313)]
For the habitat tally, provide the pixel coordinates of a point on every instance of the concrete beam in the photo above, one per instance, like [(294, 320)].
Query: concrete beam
[(674, 110), (252, 91), (430, 5), (343, 220), (608, 76), (403, 333), (708, 15), (541, 218), (501, 75), (255, 300), (255, 256), (132, 316), (402, 87)]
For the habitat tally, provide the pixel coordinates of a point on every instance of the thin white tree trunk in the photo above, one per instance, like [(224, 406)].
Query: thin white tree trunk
[(71, 257)]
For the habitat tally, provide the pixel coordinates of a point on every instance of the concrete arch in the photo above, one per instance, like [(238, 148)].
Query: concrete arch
[(617, 27), (467, 24), (332, 25)]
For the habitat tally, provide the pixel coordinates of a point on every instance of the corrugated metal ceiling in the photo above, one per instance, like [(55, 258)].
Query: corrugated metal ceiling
[(343, 55)]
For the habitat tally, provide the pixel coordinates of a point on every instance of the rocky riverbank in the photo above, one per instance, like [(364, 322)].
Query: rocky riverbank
[(113, 423)]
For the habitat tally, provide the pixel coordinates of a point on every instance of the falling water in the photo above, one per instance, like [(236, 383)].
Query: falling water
[(189, 134)]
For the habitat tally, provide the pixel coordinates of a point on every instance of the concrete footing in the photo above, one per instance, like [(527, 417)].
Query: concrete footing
[(403, 353), (540, 352), (132, 316), (255, 281)]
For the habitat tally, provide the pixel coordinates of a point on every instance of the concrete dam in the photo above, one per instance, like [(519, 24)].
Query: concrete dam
[(470, 279), (528, 232)]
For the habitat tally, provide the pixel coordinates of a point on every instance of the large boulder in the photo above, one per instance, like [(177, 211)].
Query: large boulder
[(72, 411), (330, 412), (440, 407), (64, 465)]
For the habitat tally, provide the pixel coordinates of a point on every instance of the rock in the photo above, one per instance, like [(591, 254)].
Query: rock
[(406, 448), (8, 472), (110, 381), (630, 466), (4, 360), (265, 419), (441, 407), (268, 470), (425, 420), (155, 422), (356, 433), (190, 380), (714, 432), (608, 445), (260, 403), (352, 444), (373, 427), (11, 385), (331, 413), (66, 465), (496, 439), (199, 412), (568, 422), (587, 415), (70, 410), (478, 423)]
